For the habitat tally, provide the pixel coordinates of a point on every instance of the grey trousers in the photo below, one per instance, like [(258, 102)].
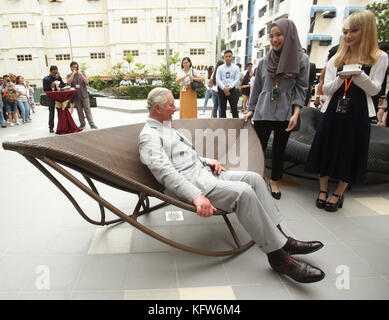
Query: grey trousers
[(246, 194), (82, 106)]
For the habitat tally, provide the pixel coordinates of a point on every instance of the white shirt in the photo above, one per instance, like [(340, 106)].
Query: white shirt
[(371, 83), (214, 87), (21, 90), (187, 81), (252, 80), (124, 83), (228, 76)]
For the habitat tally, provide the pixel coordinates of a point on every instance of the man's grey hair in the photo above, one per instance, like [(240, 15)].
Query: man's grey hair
[(157, 96)]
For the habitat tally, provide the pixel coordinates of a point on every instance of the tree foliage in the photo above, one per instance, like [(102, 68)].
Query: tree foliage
[(381, 11)]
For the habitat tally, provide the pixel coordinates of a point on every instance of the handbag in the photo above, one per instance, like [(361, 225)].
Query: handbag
[(196, 85), (11, 96)]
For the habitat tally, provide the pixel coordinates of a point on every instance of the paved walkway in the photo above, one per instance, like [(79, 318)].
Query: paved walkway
[(47, 251)]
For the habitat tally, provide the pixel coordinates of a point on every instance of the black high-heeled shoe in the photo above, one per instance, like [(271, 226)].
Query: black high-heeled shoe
[(275, 195), (321, 204), (333, 207)]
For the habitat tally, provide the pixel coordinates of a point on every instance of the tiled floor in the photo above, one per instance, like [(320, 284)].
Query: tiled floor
[(47, 251)]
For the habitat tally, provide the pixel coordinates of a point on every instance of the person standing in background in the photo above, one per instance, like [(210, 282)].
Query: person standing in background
[(188, 96), (245, 89), (49, 84), (23, 99), (9, 92), (311, 81), (31, 100), (227, 79), (78, 80), (216, 110), (208, 92)]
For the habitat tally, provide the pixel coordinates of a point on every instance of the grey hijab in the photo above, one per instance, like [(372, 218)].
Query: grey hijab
[(287, 62)]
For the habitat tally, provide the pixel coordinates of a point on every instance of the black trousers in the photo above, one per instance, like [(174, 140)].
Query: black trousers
[(280, 140), (51, 113), (233, 99)]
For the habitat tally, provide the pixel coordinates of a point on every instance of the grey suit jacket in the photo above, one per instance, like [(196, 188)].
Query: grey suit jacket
[(174, 162)]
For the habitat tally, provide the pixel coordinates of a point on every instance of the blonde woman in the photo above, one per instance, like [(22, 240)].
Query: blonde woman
[(340, 147)]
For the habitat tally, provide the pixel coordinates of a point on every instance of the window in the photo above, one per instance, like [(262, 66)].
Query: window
[(133, 52), (262, 11), (162, 19), (261, 33), (133, 19), (324, 43), (60, 57), (95, 24), (18, 24), (260, 54), (97, 55), (195, 52), (197, 19), (162, 52), (239, 44), (58, 25), (24, 57), (125, 20)]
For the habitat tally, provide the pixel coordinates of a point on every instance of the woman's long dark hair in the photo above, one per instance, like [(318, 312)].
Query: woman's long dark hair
[(17, 80), (246, 78), (214, 74), (210, 72)]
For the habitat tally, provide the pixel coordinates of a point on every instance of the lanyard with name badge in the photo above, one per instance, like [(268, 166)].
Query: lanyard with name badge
[(276, 92), (344, 101)]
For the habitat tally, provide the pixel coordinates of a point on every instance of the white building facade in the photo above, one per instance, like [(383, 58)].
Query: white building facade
[(101, 33), (319, 25)]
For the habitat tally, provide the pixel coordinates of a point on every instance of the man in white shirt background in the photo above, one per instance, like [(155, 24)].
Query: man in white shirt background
[(227, 79)]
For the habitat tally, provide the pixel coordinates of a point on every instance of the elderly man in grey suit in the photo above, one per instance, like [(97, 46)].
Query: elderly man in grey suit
[(175, 164)]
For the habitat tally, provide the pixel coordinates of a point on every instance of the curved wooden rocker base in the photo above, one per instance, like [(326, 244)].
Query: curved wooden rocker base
[(132, 219), (111, 156)]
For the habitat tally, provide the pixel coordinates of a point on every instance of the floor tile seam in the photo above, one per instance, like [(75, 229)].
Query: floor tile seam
[(78, 276), (342, 242), (225, 271), (286, 287), (360, 257), (12, 243), (176, 270)]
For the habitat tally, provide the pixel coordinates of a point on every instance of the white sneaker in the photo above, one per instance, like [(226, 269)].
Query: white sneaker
[(202, 113), (12, 124)]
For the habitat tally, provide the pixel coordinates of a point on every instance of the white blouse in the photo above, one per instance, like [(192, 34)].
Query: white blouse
[(193, 72), (371, 83), (22, 90)]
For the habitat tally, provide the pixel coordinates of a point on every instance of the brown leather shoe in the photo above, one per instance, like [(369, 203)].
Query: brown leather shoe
[(294, 246), (299, 271)]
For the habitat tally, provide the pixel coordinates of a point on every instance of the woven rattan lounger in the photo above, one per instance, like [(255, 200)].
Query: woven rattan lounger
[(111, 156)]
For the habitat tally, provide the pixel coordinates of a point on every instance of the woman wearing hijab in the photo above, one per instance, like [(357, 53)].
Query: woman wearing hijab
[(340, 147), (279, 91)]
